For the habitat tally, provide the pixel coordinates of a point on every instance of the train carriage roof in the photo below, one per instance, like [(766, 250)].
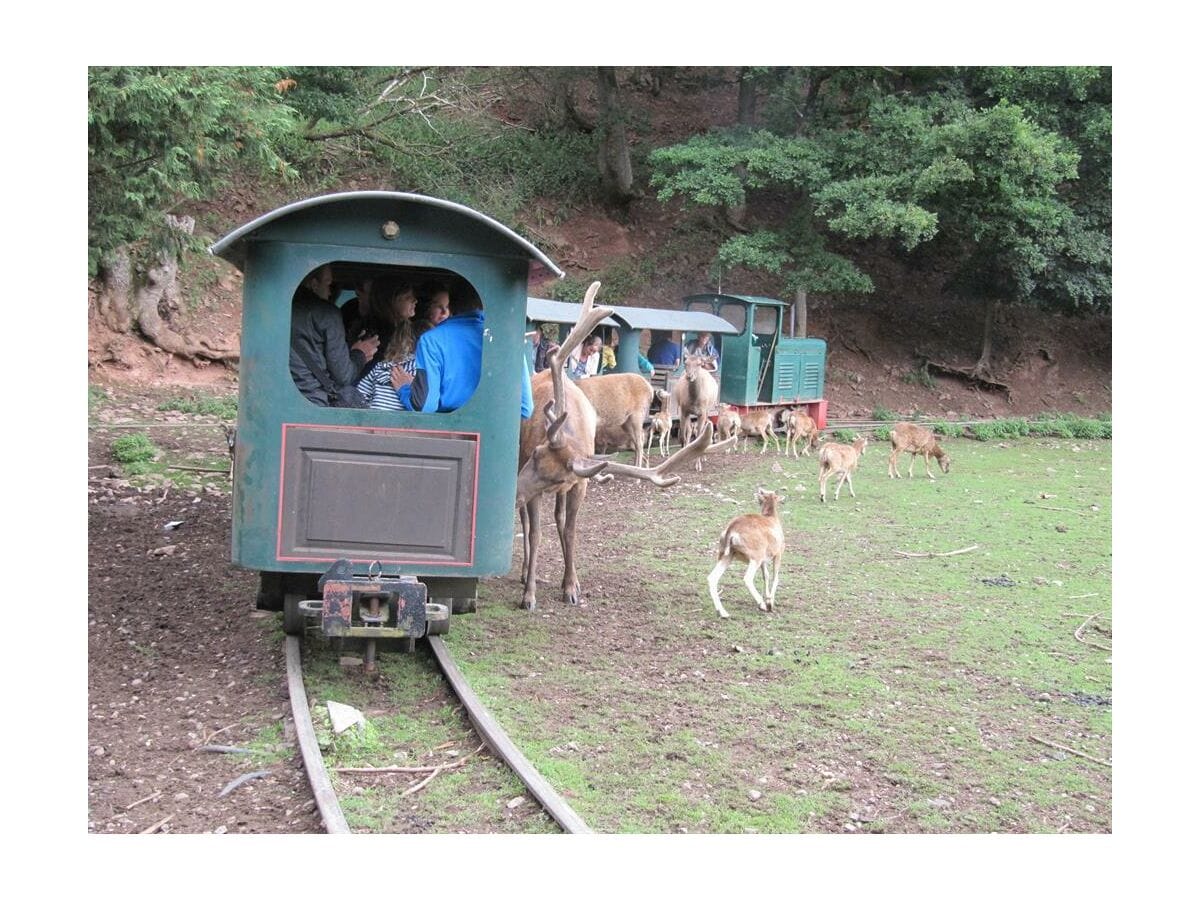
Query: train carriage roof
[(634, 317), (233, 246), (741, 298)]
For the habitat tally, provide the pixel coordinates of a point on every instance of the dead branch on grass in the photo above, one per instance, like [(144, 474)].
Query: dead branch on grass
[(1079, 635), (1033, 737), (157, 825), (407, 770), (153, 796), (928, 555)]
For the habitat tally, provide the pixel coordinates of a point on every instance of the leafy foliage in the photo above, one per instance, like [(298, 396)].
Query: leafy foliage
[(198, 404), (1002, 173), (158, 135)]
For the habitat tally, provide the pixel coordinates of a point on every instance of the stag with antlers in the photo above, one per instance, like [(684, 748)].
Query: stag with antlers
[(558, 454)]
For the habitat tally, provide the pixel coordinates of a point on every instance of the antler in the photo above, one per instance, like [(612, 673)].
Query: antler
[(660, 474), (589, 318)]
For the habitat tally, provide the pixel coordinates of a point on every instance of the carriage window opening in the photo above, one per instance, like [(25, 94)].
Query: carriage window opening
[(734, 314), (356, 338)]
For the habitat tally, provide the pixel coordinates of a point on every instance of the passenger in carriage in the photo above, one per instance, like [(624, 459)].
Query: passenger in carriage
[(663, 351), (703, 345), (542, 348), (321, 364), (584, 362), (394, 306), (356, 312), (433, 306)]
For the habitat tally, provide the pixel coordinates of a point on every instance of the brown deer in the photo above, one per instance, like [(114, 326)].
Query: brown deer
[(801, 431), (909, 438), (729, 424), (840, 460), (762, 423), (557, 455), (660, 424), (695, 393), (622, 402), (757, 540)]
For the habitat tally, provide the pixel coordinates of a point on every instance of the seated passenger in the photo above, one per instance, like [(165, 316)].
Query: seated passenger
[(356, 312), (704, 347), (542, 348), (584, 361), (608, 353), (433, 306), (394, 305), (663, 351), (323, 367), (448, 360)]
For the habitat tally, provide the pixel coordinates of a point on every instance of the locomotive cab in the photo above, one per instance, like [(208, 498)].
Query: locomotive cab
[(403, 502)]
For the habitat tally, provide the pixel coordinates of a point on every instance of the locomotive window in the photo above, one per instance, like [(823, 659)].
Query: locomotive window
[(356, 330), (734, 314)]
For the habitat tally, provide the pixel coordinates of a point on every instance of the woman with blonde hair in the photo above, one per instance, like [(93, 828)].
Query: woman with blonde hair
[(394, 305)]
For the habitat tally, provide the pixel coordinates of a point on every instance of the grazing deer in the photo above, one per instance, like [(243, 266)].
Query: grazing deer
[(801, 431), (842, 460), (762, 423), (660, 424), (557, 455), (729, 424), (909, 438), (757, 540), (622, 402), (695, 392)]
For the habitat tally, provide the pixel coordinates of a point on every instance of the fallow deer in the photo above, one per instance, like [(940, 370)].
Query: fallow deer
[(695, 393), (729, 424), (557, 454), (757, 540), (840, 460), (622, 402), (762, 423), (909, 438), (660, 424), (801, 431)]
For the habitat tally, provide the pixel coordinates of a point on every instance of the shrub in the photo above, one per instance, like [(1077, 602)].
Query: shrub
[(947, 429), (883, 414), (197, 404), (845, 436), (920, 375), (135, 453), (883, 433)]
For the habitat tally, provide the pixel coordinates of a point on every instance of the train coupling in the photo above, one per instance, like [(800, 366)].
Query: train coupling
[(377, 606)]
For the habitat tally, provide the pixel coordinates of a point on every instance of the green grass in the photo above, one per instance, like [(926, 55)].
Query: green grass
[(225, 407), (903, 691)]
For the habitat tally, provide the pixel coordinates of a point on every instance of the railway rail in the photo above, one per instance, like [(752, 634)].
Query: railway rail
[(485, 725)]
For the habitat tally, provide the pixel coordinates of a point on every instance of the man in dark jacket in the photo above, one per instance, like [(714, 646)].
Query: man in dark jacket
[(319, 360)]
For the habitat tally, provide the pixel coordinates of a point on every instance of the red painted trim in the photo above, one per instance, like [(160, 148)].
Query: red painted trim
[(279, 557)]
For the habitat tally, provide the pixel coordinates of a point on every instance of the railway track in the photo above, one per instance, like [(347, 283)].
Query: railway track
[(501, 746)]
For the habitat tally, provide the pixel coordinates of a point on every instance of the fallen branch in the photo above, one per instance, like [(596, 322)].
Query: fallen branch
[(242, 779), (1083, 596), (406, 770), (197, 469), (1079, 634), (157, 825), (1055, 508), (153, 796), (1069, 750), (209, 737), (424, 781), (927, 555)]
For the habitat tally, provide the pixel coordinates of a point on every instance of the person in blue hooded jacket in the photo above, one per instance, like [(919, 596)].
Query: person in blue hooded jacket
[(449, 360)]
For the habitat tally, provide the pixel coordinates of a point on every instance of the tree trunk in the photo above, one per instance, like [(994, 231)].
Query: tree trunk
[(800, 312), (747, 99), (983, 366), (616, 167), (112, 300), (159, 295)]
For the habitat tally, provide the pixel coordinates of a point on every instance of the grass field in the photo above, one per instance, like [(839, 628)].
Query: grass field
[(885, 693)]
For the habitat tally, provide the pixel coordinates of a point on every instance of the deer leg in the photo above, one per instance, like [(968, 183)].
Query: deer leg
[(837, 492), (927, 471), (571, 501), (893, 472), (713, 577), (775, 584), (821, 479), (531, 520), (751, 571), (635, 436), (850, 484), (912, 462)]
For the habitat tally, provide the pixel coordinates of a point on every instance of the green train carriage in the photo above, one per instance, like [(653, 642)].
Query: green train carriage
[(372, 522)]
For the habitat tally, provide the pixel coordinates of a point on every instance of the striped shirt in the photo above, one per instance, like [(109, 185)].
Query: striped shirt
[(376, 384)]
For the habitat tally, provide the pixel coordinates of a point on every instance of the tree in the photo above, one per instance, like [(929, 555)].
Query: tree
[(158, 136), (938, 159)]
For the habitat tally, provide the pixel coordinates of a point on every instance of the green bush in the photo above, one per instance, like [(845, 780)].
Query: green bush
[(883, 414), (921, 376), (947, 429), (132, 449), (197, 404), (845, 436), (882, 433), (1058, 425)]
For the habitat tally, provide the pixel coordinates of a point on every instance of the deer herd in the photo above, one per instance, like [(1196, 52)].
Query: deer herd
[(572, 420)]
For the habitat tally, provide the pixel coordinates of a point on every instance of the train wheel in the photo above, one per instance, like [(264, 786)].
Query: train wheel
[(293, 617), (437, 619)]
